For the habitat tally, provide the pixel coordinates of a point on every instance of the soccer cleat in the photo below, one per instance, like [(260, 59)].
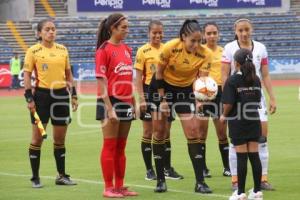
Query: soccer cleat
[(202, 187), (36, 183), (255, 196), (172, 174), (126, 193), (161, 186), (64, 180), (206, 173), (150, 175), (265, 185), (235, 196), (234, 186), (226, 172), (112, 193)]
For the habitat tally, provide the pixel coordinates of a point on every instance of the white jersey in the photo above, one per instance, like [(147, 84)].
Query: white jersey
[(260, 58), (260, 55)]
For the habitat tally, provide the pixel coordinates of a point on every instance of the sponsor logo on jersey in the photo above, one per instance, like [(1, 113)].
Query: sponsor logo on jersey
[(199, 55), (123, 69), (177, 50), (37, 50), (146, 50)]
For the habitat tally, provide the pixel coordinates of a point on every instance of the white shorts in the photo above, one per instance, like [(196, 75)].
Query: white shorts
[(263, 111)]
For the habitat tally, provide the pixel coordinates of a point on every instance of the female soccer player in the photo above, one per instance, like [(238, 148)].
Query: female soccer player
[(146, 63), (243, 30), (213, 108), (241, 99), (115, 103), (49, 98), (181, 60)]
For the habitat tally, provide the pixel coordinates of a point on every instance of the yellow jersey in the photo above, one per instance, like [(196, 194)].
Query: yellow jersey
[(181, 67), (48, 64), (146, 60), (215, 70)]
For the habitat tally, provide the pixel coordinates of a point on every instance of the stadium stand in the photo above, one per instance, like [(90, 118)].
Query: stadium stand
[(42, 8), (280, 32), (295, 6)]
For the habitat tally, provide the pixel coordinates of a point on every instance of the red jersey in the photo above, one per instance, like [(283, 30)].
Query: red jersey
[(114, 63)]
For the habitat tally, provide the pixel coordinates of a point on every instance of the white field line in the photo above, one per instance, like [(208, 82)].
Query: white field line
[(221, 196)]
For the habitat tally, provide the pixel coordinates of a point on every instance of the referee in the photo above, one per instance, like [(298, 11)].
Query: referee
[(49, 98)]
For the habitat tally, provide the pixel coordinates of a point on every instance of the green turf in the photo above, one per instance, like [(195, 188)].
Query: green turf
[(83, 145)]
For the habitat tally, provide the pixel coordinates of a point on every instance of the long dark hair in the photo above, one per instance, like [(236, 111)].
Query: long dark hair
[(244, 57), (40, 26), (104, 30), (189, 26), (240, 19)]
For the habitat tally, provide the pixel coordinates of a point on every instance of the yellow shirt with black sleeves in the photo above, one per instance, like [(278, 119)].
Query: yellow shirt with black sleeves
[(215, 70), (146, 60), (182, 67), (48, 64)]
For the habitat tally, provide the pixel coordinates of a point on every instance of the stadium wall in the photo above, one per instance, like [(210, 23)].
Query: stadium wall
[(17, 10), (285, 7)]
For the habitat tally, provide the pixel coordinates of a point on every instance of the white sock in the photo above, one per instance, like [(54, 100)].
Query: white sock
[(264, 157), (232, 160)]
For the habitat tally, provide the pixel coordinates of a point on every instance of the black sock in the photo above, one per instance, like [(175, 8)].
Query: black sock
[(34, 156), (146, 148), (59, 154), (204, 154), (167, 158), (242, 159), (158, 147), (224, 149), (256, 170), (196, 155)]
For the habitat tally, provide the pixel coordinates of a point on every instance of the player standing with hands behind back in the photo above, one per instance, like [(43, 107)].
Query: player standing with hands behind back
[(49, 98)]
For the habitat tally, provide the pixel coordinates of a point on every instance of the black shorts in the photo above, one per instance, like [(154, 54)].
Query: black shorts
[(213, 108), (123, 110), (240, 141), (180, 99), (147, 115), (54, 104)]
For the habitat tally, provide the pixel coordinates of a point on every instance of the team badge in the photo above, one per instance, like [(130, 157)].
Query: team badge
[(127, 54), (153, 68), (45, 67)]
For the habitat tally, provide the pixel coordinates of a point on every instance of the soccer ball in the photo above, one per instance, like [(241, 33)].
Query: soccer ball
[(205, 88)]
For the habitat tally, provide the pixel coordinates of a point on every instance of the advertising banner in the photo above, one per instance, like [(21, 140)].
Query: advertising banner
[(147, 5)]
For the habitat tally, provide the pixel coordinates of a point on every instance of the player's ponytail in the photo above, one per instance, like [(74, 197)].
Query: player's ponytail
[(189, 26), (104, 30), (244, 58)]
